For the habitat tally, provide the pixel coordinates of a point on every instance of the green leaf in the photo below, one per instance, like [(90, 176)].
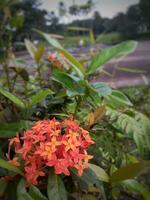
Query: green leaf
[(12, 98), (74, 63), (127, 125), (3, 186), (39, 53), (99, 172), (21, 72), (102, 88), (50, 40), (21, 191), (4, 164), (91, 35), (38, 97), (134, 186), (35, 52), (130, 171), (55, 188), (8, 130), (118, 98), (31, 48), (72, 60), (36, 194), (144, 123), (64, 79), (17, 20), (107, 54)]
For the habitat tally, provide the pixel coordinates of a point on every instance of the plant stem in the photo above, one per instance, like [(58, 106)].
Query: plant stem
[(39, 74), (6, 70), (78, 101)]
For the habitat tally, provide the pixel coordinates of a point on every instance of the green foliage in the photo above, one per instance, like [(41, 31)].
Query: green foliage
[(129, 125), (55, 188), (8, 130), (36, 98), (121, 134), (36, 194), (72, 61), (12, 98), (3, 186), (22, 192), (117, 98), (109, 38), (109, 53), (134, 186), (130, 171), (99, 173), (35, 52), (4, 164)]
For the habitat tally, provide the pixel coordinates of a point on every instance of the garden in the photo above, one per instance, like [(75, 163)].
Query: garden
[(65, 132)]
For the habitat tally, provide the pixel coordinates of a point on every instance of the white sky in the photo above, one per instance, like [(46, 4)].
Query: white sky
[(107, 8)]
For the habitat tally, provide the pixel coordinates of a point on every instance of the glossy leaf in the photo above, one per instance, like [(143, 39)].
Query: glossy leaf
[(64, 79), (128, 125), (38, 97), (130, 171), (12, 98), (102, 88), (107, 54), (55, 188), (21, 72), (74, 63), (3, 186), (39, 53), (99, 172), (134, 186), (4, 164), (31, 48), (118, 98), (36, 194), (8, 130), (21, 191)]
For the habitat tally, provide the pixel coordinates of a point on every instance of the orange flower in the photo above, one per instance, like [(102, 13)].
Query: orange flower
[(50, 143), (14, 141), (56, 60)]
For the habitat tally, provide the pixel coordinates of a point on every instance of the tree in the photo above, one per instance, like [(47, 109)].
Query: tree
[(34, 17), (145, 9), (52, 21), (62, 9), (81, 9), (134, 19), (98, 26)]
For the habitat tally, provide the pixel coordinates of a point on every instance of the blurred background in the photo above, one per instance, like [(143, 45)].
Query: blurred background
[(115, 19), (84, 28)]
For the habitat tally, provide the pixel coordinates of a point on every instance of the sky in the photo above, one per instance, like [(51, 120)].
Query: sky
[(107, 8)]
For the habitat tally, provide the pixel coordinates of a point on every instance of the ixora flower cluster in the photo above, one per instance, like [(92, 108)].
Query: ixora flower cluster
[(50, 143), (58, 60)]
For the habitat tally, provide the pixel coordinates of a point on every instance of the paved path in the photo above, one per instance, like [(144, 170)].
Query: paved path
[(139, 60), (118, 76)]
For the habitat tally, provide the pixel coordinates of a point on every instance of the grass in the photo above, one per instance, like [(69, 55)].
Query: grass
[(72, 41), (109, 38)]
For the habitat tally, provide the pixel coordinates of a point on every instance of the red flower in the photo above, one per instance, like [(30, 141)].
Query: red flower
[(50, 143)]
